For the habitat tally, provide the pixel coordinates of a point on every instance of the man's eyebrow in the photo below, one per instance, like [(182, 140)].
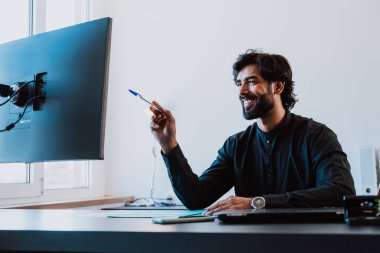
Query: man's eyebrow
[(248, 78), (251, 77)]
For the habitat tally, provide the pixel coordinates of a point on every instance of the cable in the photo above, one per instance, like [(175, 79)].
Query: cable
[(12, 125), (153, 174), (15, 93), (151, 201)]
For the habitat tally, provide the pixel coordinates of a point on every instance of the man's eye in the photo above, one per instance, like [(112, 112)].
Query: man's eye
[(238, 84), (252, 82)]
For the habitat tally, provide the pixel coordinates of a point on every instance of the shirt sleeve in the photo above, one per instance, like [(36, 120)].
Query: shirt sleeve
[(199, 192), (332, 172)]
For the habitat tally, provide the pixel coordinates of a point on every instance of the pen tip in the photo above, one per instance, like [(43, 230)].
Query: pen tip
[(133, 92)]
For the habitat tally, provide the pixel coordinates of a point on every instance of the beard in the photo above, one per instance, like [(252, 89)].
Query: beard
[(263, 104)]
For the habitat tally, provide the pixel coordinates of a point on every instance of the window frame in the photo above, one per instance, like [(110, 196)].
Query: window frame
[(33, 188)]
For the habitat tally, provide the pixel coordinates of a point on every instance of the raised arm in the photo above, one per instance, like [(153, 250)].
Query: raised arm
[(193, 191)]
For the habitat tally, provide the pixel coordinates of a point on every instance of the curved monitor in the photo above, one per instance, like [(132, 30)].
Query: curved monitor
[(57, 94)]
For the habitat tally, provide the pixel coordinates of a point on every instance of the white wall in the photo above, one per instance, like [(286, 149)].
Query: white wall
[(180, 53)]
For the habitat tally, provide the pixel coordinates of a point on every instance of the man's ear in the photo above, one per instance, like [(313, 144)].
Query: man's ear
[(278, 87)]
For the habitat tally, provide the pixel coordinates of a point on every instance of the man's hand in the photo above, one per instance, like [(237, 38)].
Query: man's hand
[(163, 128), (231, 203)]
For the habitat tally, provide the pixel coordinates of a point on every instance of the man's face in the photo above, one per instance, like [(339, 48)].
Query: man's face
[(255, 94)]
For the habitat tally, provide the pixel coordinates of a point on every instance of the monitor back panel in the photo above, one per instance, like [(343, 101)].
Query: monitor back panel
[(71, 122)]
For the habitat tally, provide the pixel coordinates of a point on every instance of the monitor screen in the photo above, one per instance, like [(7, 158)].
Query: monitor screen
[(54, 109)]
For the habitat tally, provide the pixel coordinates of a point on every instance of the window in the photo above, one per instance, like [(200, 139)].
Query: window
[(17, 13), (65, 13), (52, 179), (14, 173), (65, 175), (16, 177)]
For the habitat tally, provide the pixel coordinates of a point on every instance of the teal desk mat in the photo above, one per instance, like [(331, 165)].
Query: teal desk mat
[(153, 213)]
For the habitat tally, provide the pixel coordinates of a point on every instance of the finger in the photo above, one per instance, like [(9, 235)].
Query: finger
[(165, 113), (213, 206), (154, 110), (158, 117), (163, 110), (217, 205), (158, 106), (154, 126), (218, 209), (154, 119), (160, 121), (224, 208)]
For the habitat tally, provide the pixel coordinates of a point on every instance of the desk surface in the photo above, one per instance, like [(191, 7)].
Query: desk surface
[(92, 231)]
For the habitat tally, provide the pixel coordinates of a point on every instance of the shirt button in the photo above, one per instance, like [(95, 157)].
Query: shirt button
[(268, 141)]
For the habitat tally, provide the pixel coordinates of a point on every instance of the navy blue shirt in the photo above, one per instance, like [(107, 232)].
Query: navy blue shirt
[(300, 163)]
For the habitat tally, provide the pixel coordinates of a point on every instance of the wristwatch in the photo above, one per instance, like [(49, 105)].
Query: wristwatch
[(258, 202)]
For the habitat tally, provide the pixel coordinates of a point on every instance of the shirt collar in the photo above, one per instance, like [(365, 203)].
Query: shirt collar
[(274, 132)]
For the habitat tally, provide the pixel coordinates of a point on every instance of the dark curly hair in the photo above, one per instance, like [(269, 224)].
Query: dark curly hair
[(273, 67)]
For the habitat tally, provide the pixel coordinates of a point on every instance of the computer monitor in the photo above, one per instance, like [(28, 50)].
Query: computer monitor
[(58, 79)]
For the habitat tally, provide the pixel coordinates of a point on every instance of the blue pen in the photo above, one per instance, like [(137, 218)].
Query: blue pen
[(138, 95)]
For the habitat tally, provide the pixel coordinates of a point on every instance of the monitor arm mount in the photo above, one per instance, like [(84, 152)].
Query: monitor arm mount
[(5, 90), (19, 93)]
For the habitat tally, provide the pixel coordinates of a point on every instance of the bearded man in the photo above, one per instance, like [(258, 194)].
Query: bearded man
[(281, 160)]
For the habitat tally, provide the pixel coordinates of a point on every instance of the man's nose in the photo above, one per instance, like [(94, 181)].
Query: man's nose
[(243, 88)]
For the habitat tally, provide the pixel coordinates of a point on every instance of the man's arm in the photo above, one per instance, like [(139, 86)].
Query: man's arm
[(194, 192), (198, 192)]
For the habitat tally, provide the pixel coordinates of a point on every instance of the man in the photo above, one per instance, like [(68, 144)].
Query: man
[(282, 160)]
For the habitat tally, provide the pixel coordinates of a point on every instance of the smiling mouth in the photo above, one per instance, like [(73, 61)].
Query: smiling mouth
[(248, 102)]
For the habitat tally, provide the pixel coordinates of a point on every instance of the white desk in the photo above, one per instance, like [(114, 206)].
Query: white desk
[(91, 231)]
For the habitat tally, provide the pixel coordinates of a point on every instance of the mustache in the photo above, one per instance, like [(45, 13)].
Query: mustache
[(246, 96)]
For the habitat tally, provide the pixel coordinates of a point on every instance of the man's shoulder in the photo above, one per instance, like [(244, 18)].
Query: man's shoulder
[(308, 125), (243, 135)]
